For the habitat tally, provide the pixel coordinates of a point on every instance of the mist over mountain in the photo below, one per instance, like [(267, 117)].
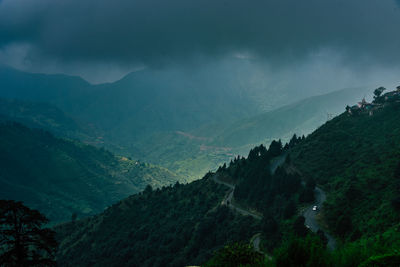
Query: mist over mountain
[(301, 117), (187, 121), (361, 210), (200, 133)]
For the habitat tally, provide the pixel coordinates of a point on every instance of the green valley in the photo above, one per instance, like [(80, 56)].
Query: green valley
[(170, 118), (62, 177)]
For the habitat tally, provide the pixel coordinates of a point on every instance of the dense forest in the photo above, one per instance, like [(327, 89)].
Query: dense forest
[(354, 158), (186, 224), (174, 226)]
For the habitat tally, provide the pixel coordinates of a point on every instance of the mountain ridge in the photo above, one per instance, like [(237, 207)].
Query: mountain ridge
[(60, 177), (361, 210)]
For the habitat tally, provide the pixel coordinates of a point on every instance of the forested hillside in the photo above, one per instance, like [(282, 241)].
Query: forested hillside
[(174, 226), (355, 157), (352, 157), (61, 177), (187, 224)]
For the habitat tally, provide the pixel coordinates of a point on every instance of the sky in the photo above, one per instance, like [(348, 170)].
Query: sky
[(102, 40)]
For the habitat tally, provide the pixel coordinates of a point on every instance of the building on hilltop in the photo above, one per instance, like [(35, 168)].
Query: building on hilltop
[(362, 103), (379, 101)]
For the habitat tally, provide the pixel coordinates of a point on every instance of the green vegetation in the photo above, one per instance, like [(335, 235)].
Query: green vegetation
[(301, 117), (61, 177), (139, 116), (174, 226), (191, 155), (296, 251), (270, 190), (355, 159), (310, 251), (48, 117), (236, 254)]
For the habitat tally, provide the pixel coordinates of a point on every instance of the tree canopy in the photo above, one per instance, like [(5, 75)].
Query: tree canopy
[(23, 241)]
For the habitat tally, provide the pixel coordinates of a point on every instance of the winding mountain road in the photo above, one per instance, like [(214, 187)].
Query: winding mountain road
[(228, 200), (311, 216)]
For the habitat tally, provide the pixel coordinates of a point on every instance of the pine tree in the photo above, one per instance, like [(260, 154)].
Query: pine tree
[(23, 242)]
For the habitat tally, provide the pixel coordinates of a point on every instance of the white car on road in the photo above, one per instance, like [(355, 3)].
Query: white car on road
[(315, 208)]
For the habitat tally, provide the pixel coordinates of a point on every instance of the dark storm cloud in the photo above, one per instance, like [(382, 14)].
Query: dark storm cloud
[(156, 31)]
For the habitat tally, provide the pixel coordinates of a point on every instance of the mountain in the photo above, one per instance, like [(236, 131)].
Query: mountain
[(206, 147), (188, 121), (178, 225), (47, 117), (147, 101), (184, 224), (15, 84), (353, 159), (151, 101), (61, 177), (141, 102), (301, 117)]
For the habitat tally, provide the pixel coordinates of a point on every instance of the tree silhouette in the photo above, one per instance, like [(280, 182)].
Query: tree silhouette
[(23, 242), (378, 92)]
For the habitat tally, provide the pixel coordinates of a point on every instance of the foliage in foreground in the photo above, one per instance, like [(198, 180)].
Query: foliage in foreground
[(23, 241), (236, 254), (310, 251)]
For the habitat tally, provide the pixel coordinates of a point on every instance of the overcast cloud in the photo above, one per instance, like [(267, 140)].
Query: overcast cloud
[(137, 33)]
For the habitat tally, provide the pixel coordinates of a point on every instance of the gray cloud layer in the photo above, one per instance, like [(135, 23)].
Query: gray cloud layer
[(159, 31)]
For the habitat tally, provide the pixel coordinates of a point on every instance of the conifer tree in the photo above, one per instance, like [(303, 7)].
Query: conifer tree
[(23, 241)]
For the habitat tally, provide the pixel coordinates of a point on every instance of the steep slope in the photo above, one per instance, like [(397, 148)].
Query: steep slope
[(301, 117), (60, 177), (355, 158), (184, 224), (175, 226)]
